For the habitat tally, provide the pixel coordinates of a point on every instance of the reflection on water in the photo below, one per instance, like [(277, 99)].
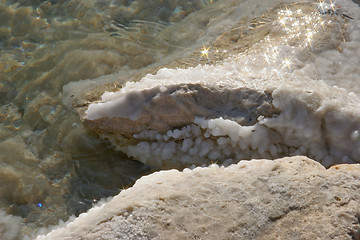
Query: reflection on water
[(51, 166)]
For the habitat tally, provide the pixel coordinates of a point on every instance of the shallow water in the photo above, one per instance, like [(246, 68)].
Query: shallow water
[(51, 166)]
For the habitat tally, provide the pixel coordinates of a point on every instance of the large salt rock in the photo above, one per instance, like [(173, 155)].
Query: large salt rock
[(273, 96), (289, 198)]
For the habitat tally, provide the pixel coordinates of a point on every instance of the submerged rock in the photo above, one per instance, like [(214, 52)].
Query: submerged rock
[(289, 198)]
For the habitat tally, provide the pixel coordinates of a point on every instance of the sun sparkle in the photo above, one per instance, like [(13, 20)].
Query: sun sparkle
[(321, 4), (332, 4), (287, 62), (205, 52)]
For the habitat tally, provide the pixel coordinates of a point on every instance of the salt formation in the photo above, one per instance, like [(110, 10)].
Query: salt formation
[(292, 90), (290, 198), (9, 226), (280, 97)]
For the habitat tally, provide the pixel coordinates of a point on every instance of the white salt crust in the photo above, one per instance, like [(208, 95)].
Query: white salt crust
[(317, 97)]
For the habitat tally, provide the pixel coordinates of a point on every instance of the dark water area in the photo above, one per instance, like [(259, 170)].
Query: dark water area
[(51, 167)]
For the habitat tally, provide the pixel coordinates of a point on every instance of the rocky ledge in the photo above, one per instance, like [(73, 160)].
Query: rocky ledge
[(275, 93), (288, 198)]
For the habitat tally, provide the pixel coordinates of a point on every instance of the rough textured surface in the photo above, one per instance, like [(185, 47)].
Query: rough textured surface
[(277, 96), (289, 198), (53, 162), (265, 100)]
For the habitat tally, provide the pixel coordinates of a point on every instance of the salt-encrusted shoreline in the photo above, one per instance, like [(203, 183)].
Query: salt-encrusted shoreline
[(291, 104), (277, 98)]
